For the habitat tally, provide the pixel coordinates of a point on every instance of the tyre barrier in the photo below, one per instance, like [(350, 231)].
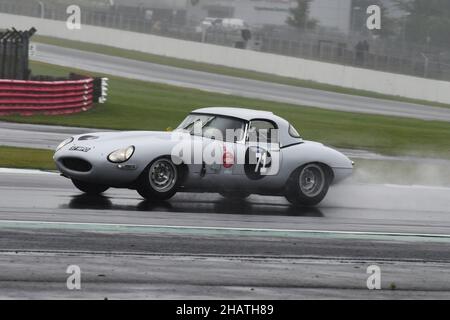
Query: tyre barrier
[(23, 97)]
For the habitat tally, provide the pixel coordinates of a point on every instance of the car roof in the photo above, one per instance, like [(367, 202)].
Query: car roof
[(249, 114), (242, 113)]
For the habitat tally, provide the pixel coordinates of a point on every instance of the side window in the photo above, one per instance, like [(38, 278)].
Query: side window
[(262, 131), (230, 129)]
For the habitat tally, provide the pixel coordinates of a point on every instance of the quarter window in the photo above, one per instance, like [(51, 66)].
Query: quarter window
[(293, 132)]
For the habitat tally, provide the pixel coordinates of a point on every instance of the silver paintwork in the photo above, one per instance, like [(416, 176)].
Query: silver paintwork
[(149, 146)]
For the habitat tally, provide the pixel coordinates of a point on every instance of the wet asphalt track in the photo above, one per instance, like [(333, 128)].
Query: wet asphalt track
[(202, 246)]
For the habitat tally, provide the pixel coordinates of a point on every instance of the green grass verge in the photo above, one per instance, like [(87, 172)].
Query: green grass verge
[(24, 158), (186, 64), (141, 105)]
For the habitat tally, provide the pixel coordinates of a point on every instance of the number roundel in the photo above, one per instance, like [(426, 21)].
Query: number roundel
[(257, 163)]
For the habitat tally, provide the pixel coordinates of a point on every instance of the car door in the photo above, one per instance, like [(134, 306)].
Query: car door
[(262, 149), (221, 138)]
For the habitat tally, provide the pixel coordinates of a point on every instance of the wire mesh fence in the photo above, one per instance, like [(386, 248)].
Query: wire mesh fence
[(421, 64)]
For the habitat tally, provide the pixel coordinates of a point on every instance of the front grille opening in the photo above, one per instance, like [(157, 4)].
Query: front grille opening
[(76, 164)]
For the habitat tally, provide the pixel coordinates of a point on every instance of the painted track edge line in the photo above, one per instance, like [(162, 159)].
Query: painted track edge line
[(212, 228)]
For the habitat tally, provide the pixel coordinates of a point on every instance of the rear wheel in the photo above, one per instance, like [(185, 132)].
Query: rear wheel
[(308, 185), (159, 181), (89, 188)]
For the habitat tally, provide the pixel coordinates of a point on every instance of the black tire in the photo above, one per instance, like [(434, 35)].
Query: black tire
[(89, 188), (308, 185), (160, 180), (234, 195)]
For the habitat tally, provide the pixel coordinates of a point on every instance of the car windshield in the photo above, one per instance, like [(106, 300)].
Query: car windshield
[(214, 126), (189, 123)]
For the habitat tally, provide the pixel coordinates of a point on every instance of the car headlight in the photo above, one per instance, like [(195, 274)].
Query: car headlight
[(64, 143), (121, 155)]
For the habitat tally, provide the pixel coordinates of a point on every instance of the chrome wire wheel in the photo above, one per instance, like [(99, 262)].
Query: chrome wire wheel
[(312, 180), (163, 175)]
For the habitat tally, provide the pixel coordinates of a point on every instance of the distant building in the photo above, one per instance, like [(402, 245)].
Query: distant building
[(165, 11), (393, 8), (336, 15), (155, 4), (254, 12), (333, 14)]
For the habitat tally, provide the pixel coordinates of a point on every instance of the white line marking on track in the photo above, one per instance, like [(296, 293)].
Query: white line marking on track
[(230, 228)]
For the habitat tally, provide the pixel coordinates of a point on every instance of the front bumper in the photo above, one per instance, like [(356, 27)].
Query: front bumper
[(99, 170)]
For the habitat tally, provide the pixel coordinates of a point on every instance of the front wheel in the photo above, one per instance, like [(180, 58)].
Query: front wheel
[(89, 188), (308, 185), (159, 181)]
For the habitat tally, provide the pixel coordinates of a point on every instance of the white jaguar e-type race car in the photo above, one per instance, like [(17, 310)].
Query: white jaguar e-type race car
[(232, 151)]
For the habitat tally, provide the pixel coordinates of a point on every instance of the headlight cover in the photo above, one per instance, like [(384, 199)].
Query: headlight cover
[(121, 155), (64, 143)]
